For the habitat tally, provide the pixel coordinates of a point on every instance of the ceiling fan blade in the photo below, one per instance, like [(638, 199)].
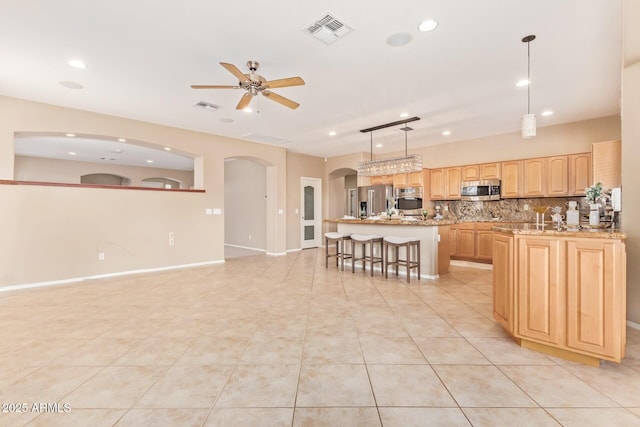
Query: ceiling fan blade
[(290, 81), (235, 71), (244, 101), (214, 87), (280, 99)]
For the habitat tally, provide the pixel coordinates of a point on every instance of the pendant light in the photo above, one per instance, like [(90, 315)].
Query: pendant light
[(394, 165), (528, 120)]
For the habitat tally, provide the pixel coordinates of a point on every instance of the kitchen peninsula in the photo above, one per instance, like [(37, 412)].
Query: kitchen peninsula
[(433, 235), (562, 292)]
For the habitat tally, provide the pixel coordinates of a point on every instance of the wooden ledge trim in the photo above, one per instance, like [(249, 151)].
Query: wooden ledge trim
[(110, 187)]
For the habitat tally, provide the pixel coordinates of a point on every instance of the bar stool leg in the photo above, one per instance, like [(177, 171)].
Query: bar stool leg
[(326, 252), (418, 259), (408, 246)]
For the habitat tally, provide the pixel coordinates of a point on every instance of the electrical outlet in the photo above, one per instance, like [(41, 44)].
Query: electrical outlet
[(249, 236), (100, 256), (171, 239), (525, 207)]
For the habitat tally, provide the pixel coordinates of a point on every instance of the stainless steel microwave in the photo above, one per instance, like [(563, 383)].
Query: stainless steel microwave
[(481, 190)]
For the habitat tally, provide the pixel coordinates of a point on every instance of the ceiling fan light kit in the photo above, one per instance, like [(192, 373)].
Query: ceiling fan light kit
[(255, 84), (393, 165), (528, 120)]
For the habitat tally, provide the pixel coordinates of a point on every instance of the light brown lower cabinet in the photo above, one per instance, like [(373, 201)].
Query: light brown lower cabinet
[(473, 241), (565, 296)]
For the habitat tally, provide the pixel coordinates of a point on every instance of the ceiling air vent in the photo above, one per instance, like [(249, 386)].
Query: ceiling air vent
[(328, 29), (207, 106)]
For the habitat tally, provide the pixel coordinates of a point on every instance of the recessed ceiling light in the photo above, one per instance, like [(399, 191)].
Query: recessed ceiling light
[(122, 140), (72, 153), (70, 85), (446, 133), (379, 145), (167, 149), (547, 113), (399, 39), (149, 161), (523, 82), (403, 115), (76, 63), (71, 135), (332, 133), (247, 110), (428, 25), (226, 120)]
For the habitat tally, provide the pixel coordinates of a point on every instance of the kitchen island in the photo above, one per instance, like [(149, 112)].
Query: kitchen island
[(562, 292), (433, 235)]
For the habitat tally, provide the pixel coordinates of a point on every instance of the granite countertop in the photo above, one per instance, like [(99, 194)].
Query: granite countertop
[(394, 221), (530, 229)]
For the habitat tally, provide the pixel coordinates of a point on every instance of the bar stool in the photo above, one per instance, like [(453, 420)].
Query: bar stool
[(364, 240), (396, 243), (339, 239)]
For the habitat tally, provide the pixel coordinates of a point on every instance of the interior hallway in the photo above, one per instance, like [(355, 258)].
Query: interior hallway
[(280, 341)]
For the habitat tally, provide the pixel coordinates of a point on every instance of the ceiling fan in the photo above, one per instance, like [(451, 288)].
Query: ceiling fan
[(254, 84)]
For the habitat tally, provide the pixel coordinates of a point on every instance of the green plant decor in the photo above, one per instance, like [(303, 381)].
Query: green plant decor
[(595, 193)]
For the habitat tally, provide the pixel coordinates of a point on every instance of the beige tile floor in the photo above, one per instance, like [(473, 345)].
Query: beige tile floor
[(280, 341)]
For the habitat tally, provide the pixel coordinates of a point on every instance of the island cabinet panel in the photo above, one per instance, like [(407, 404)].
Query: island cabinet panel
[(541, 292), (511, 185), (503, 281), (557, 176), (453, 240), (466, 240), (579, 173), (594, 304), (484, 242), (535, 177)]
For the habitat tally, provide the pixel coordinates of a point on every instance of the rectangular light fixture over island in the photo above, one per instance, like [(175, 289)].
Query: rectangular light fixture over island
[(392, 165)]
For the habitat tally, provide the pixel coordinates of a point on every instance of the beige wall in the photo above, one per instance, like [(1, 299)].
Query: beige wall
[(49, 233), (631, 153), (299, 165), (245, 190), (69, 171)]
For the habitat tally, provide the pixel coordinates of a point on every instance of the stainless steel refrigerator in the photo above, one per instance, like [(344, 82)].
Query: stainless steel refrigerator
[(374, 199)]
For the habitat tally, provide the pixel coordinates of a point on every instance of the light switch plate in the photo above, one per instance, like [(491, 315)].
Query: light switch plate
[(217, 211)]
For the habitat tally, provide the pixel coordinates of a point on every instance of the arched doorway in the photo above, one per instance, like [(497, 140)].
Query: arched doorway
[(343, 193), (246, 190)]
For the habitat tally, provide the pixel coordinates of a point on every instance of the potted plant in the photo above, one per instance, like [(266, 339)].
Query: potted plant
[(595, 196)]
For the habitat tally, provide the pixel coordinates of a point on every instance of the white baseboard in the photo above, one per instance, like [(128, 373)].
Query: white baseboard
[(246, 247), (633, 325), (107, 275), (479, 265), (294, 250), (276, 253), (400, 272)]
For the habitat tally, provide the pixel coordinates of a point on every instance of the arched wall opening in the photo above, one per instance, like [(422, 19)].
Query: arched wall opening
[(343, 193), (248, 190)]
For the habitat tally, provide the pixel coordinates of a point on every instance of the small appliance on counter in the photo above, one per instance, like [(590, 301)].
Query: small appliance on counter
[(481, 190)]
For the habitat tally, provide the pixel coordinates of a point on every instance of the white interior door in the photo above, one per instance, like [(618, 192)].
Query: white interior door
[(311, 212)]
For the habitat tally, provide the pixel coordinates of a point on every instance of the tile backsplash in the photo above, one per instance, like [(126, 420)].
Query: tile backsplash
[(517, 210)]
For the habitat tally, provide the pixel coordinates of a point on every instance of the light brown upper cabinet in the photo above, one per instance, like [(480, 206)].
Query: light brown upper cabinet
[(490, 171), (471, 173), (579, 173), (535, 177), (415, 179), (400, 180), (382, 180), (607, 163), (453, 182), (446, 183), (557, 176), (511, 184), (437, 184)]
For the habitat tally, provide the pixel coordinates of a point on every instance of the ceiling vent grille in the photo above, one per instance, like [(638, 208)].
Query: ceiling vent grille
[(207, 106), (328, 29)]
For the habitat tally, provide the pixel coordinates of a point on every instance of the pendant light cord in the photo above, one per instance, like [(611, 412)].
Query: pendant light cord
[(529, 77)]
